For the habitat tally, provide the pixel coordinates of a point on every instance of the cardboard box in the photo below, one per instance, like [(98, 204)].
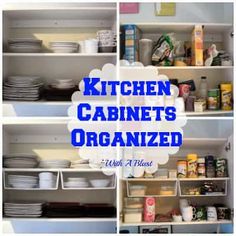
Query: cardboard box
[(197, 46), (131, 36)]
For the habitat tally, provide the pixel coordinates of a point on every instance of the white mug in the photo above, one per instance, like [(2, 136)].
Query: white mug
[(187, 213), (91, 46)]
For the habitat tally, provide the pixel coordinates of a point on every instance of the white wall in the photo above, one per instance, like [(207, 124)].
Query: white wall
[(185, 12)]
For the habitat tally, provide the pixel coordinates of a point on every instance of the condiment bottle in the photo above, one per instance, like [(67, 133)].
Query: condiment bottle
[(203, 88)]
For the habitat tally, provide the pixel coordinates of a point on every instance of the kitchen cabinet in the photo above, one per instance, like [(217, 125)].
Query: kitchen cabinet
[(50, 139), (204, 137), (53, 22), (220, 34)]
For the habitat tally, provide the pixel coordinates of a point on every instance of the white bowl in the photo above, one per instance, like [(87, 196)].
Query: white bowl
[(100, 183)]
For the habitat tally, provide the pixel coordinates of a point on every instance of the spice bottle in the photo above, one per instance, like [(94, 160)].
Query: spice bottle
[(201, 169)]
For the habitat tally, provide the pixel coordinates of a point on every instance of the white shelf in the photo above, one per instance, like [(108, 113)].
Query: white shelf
[(149, 179), (156, 27), (53, 169), (177, 223), (9, 54), (61, 219), (176, 179), (203, 143), (209, 112), (203, 179), (38, 102), (194, 67), (201, 195)]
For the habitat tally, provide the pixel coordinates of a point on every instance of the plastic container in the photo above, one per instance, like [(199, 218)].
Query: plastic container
[(133, 215), (167, 190), (203, 88), (162, 174), (172, 174), (137, 190), (192, 165), (133, 203)]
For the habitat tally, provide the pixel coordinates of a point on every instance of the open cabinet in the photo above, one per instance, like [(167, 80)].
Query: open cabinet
[(53, 22), (146, 25), (204, 138), (51, 140)]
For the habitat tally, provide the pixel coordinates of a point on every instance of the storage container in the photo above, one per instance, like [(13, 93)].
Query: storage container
[(133, 215), (133, 203), (138, 190)]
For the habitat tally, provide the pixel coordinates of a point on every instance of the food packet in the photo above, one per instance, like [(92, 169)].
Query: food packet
[(163, 50)]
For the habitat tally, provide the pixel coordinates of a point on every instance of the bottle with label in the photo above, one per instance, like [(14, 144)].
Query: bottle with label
[(201, 170), (203, 88)]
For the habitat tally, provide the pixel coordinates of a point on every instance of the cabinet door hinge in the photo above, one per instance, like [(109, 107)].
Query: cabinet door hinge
[(228, 147)]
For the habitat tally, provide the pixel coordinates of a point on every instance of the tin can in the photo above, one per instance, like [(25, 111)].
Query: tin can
[(149, 209), (226, 97), (184, 90), (221, 167), (192, 166), (213, 100), (210, 167), (182, 169)]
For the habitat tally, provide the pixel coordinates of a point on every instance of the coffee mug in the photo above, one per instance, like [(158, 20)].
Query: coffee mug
[(187, 213), (211, 213), (223, 213), (194, 213)]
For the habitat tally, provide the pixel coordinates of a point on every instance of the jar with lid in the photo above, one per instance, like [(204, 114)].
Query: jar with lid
[(201, 169), (192, 165), (210, 167), (182, 169)]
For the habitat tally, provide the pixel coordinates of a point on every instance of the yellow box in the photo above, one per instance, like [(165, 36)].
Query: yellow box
[(197, 46)]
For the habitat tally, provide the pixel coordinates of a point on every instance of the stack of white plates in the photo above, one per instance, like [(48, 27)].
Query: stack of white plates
[(74, 182), (63, 46), (80, 164), (22, 88), (22, 181), (20, 161), (63, 84), (25, 45), (23, 209), (54, 164)]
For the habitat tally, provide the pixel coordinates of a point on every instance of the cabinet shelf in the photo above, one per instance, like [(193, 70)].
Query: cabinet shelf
[(185, 67), (177, 223), (209, 28), (9, 54), (61, 219)]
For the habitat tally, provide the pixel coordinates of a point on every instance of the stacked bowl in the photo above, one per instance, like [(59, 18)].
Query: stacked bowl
[(47, 180)]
